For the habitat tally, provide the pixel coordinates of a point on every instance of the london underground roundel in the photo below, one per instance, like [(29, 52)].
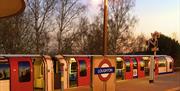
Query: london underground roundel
[(104, 70)]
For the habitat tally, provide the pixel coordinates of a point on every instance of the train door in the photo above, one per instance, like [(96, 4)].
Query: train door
[(135, 67), (39, 74), (119, 69), (64, 71), (162, 62), (21, 74), (49, 73), (83, 71), (146, 65), (57, 73), (169, 64), (73, 73), (141, 65), (4, 75), (129, 69)]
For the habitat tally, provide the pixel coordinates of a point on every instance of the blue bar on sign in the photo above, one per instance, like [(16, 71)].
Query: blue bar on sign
[(104, 70)]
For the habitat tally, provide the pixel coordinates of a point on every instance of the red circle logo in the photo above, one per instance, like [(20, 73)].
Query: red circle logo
[(105, 63)]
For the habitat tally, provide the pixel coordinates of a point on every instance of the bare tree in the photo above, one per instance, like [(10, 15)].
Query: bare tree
[(89, 36), (95, 37), (140, 43), (67, 13), (15, 35), (121, 22), (41, 12)]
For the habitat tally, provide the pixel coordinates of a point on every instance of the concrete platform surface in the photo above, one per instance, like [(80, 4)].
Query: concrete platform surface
[(165, 82)]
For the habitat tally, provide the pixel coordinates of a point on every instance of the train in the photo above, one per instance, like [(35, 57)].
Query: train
[(50, 73)]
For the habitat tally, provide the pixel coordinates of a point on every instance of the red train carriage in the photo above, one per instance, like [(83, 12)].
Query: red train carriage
[(16, 73), (43, 73), (25, 73)]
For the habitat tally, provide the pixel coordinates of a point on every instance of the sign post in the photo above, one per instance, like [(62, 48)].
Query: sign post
[(104, 71), (154, 42)]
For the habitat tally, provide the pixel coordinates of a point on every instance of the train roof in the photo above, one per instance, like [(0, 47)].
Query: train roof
[(61, 56), (110, 55), (20, 55)]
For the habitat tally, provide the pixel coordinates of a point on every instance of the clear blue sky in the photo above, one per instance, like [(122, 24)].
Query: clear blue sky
[(153, 15)]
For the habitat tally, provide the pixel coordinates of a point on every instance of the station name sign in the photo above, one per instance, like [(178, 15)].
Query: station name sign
[(104, 70)]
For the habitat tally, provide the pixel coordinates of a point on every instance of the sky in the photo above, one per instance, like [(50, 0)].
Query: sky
[(158, 15), (153, 15)]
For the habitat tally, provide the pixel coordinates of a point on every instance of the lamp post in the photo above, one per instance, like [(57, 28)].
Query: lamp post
[(105, 32), (105, 35)]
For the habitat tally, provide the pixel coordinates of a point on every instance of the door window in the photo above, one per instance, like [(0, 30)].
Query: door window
[(142, 65), (134, 63), (24, 72), (128, 69), (73, 71), (162, 62), (119, 64), (4, 71), (83, 70), (170, 65)]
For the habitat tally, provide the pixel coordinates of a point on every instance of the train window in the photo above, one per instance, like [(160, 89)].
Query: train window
[(24, 72), (56, 66), (135, 66), (162, 62), (146, 63), (83, 70), (142, 64), (128, 69), (119, 64), (73, 67), (4, 71)]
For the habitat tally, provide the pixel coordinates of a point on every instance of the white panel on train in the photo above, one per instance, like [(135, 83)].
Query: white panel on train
[(162, 63), (4, 75), (169, 64)]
